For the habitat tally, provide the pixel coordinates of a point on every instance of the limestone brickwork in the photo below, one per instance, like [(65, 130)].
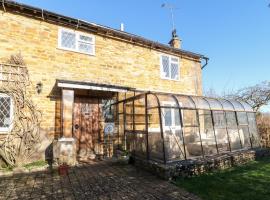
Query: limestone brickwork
[(115, 62)]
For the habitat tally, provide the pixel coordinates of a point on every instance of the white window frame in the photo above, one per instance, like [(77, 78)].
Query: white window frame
[(4, 130), (170, 62), (173, 127), (77, 40)]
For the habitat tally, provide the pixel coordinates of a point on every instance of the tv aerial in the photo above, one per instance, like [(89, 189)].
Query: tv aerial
[(171, 7)]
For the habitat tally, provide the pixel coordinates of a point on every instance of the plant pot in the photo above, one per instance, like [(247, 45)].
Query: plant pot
[(63, 170)]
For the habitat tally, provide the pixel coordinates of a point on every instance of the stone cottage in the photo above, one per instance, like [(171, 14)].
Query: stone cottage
[(95, 87)]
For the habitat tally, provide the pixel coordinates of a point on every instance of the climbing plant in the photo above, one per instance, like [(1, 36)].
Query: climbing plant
[(21, 140)]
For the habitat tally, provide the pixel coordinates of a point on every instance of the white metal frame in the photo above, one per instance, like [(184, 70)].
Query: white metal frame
[(4, 130), (77, 40), (170, 62)]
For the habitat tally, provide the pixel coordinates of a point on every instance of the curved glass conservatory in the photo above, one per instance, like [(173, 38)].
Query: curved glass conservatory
[(167, 128)]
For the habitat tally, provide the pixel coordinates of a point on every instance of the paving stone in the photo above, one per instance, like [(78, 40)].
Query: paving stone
[(96, 181)]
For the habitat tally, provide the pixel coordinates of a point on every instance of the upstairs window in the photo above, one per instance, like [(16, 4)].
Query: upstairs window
[(76, 41), (169, 67), (5, 112)]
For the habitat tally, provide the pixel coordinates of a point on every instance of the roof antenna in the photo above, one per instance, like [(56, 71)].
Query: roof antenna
[(171, 7)]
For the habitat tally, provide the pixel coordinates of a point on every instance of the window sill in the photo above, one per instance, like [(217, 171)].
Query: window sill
[(168, 79), (4, 132), (71, 50)]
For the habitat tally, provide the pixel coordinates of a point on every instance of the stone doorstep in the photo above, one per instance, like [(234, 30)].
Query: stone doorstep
[(187, 168)]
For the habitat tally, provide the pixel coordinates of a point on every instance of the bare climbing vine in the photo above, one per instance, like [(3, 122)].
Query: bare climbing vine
[(20, 142)]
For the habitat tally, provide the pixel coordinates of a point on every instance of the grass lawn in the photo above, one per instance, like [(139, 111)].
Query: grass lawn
[(248, 182)]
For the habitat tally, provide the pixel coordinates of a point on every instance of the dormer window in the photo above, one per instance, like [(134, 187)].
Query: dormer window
[(76, 41), (169, 67)]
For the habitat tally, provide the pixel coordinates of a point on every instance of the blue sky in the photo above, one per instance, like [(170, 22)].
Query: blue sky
[(234, 34)]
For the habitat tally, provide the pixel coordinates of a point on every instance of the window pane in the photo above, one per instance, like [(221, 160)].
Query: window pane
[(174, 71), (86, 38), (165, 67), (85, 47), (168, 117), (68, 40), (177, 117), (5, 106)]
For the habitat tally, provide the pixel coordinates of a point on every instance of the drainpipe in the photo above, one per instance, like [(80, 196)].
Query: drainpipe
[(206, 62)]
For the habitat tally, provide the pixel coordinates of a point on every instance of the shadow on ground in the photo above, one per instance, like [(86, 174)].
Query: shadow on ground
[(100, 180)]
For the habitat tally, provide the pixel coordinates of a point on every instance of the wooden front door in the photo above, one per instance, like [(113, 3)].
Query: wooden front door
[(86, 127)]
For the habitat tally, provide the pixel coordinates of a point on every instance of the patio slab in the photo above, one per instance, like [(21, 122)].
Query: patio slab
[(101, 180)]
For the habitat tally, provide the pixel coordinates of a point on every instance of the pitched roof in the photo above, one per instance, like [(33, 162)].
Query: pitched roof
[(51, 17)]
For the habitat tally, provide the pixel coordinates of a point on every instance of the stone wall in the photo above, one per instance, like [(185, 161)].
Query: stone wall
[(188, 168), (116, 62)]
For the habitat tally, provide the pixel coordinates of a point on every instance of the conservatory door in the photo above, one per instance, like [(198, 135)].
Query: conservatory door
[(86, 127)]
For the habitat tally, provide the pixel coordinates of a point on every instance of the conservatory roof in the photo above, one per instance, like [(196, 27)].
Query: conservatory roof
[(195, 102)]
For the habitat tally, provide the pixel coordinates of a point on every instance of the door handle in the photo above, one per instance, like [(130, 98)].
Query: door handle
[(76, 126)]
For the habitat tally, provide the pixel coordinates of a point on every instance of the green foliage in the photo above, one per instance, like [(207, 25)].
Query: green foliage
[(248, 182), (39, 163)]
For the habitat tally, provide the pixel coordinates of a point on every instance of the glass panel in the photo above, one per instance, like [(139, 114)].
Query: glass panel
[(237, 105), (214, 104), (189, 118), (167, 100), (140, 145), (255, 139), (247, 106), (220, 130), (207, 132), (242, 118), (86, 38), (129, 115), (174, 148), (5, 107), (67, 112), (192, 141), (165, 66), (185, 102), (139, 106), (200, 103), (167, 116), (121, 96), (227, 105), (85, 47), (131, 141), (121, 131), (68, 40), (233, 131), (174, 71), (244, 136), (151, 101), (155, 144)]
